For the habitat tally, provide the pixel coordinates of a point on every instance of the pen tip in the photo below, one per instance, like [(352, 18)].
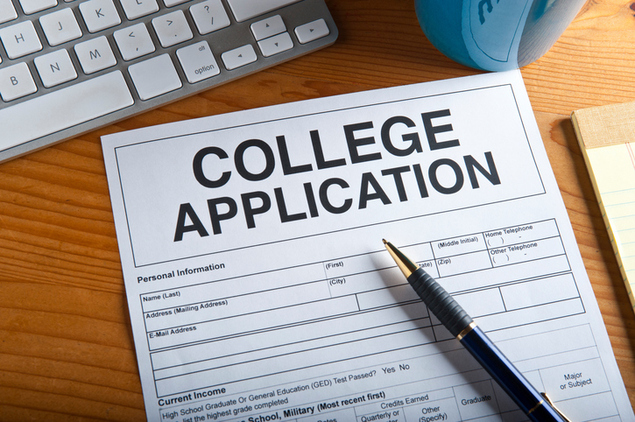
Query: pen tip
[(406, 266), (384, 240)]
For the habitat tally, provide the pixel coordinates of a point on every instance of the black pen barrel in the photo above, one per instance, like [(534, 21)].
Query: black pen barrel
[(440, 302)]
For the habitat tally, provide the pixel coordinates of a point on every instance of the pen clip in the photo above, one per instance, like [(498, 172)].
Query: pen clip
[(546, 397)]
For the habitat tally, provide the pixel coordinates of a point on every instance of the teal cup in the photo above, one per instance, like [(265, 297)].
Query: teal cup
[(495, 34)]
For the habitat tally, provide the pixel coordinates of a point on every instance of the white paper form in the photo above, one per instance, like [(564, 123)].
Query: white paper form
[(258, 285)]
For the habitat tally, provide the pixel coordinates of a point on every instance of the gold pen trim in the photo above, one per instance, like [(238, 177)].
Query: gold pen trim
[(404, 263), (540, 403), (554, 407), (466, 330)]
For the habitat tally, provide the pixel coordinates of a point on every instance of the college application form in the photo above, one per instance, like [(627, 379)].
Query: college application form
[(259, 288)]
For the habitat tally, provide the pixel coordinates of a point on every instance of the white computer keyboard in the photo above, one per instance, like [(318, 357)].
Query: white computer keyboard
[(68, 67)]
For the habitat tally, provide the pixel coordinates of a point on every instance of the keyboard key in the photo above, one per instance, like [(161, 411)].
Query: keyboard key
[(247, 9), (197, 62), (172, 28), (276, 44), (209, 16), (137, 8), (154, 77), (51, 112), (312, 31), (134, 41), (55, 68), (170, 3), (95, 55), (32, 6), (268, 27), (60, 27), (99, 14), (7, 11), (15, 82), (20, 39), (238, 57)]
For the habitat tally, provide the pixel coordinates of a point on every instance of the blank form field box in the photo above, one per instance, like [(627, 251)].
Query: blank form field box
[(539, 292), (543, 347), (387, 297), (484, 302)]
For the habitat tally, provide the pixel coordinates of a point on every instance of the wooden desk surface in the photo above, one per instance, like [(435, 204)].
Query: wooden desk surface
[(66, 350)]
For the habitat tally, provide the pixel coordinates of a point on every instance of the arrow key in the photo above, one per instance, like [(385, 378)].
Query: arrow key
[(312, 31), (239, 57), (268, 27), (276, 44)]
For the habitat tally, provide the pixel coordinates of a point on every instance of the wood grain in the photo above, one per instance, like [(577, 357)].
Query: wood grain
[(66, 350)]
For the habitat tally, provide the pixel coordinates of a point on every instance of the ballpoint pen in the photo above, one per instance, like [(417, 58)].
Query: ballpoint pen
[(536, 406)]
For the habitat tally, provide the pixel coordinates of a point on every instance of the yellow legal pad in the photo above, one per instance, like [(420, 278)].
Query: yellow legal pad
[(607, 138)]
